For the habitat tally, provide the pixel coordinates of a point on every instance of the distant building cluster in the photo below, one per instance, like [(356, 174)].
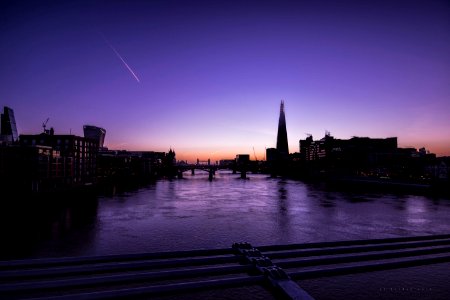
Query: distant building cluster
[(356, 149), (49, 161), (369, 157), (70, 159), (357, 157)]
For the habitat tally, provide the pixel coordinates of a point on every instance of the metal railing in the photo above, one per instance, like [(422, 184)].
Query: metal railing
[(153, 274)]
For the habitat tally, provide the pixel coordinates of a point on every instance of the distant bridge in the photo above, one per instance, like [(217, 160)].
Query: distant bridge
[(210, 168), (155, 274)]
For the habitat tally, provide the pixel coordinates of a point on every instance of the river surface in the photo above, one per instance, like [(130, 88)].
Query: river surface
[(194, 213)]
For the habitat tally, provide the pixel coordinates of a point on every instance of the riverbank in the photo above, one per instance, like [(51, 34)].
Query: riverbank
[(389, 185)]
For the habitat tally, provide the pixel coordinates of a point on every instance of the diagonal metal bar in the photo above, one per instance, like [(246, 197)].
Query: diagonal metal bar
[(380, 266), (354, 249), (114, 267), (121, 278), (361, 257), (161, 289)]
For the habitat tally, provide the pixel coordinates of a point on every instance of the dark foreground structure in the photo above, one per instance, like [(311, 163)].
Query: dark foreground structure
[(275, 267)]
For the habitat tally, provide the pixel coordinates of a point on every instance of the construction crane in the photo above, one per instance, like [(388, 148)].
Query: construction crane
[(44, 124), (254, 153)]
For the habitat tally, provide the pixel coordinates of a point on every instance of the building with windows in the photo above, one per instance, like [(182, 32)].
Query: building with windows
[(77, 155), (8, 130), (357, 156), (356, 149), (95, 133)]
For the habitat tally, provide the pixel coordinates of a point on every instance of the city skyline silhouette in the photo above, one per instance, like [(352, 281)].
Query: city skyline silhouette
[(225, 149), (206, 78)]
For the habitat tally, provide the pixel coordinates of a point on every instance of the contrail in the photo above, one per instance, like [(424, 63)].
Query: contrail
[(121, 58)]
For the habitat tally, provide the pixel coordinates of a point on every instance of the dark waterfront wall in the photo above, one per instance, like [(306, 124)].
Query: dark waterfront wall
[(56, 224)]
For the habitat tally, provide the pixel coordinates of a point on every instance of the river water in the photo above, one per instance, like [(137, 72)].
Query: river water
[(194, 213)]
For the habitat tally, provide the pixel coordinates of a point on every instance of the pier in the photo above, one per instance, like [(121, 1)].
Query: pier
[(279, 268)]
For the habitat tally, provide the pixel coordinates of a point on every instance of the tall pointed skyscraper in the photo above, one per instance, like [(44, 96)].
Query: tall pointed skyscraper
[(282, 141)]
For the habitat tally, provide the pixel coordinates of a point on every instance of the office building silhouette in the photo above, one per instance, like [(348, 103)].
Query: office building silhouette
[(282, 141), (95, 133), (8, 130)]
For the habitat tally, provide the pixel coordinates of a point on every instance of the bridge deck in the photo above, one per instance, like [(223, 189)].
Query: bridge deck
[(151, 274)]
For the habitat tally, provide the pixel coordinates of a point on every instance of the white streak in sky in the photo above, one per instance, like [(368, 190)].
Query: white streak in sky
[(120, 57)]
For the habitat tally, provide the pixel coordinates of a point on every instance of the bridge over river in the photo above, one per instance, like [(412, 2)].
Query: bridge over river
[(211, 169)]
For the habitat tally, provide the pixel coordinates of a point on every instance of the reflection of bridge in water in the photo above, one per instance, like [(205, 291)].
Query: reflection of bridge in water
[(210, 168)]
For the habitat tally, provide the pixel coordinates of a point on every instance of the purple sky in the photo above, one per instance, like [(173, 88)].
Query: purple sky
[(206, 78)]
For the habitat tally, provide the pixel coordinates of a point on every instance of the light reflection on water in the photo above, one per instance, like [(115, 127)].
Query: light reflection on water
[(195, 213)]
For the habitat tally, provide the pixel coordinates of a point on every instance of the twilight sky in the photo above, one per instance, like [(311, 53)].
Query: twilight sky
[(206, 77)]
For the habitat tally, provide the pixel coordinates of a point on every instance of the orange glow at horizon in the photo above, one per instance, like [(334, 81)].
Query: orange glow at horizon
[(189, 154), (440, 148), (192, 156)]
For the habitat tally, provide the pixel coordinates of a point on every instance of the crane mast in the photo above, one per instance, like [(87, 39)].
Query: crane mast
[(44, 125), (254, 153)]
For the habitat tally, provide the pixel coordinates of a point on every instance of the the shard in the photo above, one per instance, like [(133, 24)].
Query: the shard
[(282, 141)]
